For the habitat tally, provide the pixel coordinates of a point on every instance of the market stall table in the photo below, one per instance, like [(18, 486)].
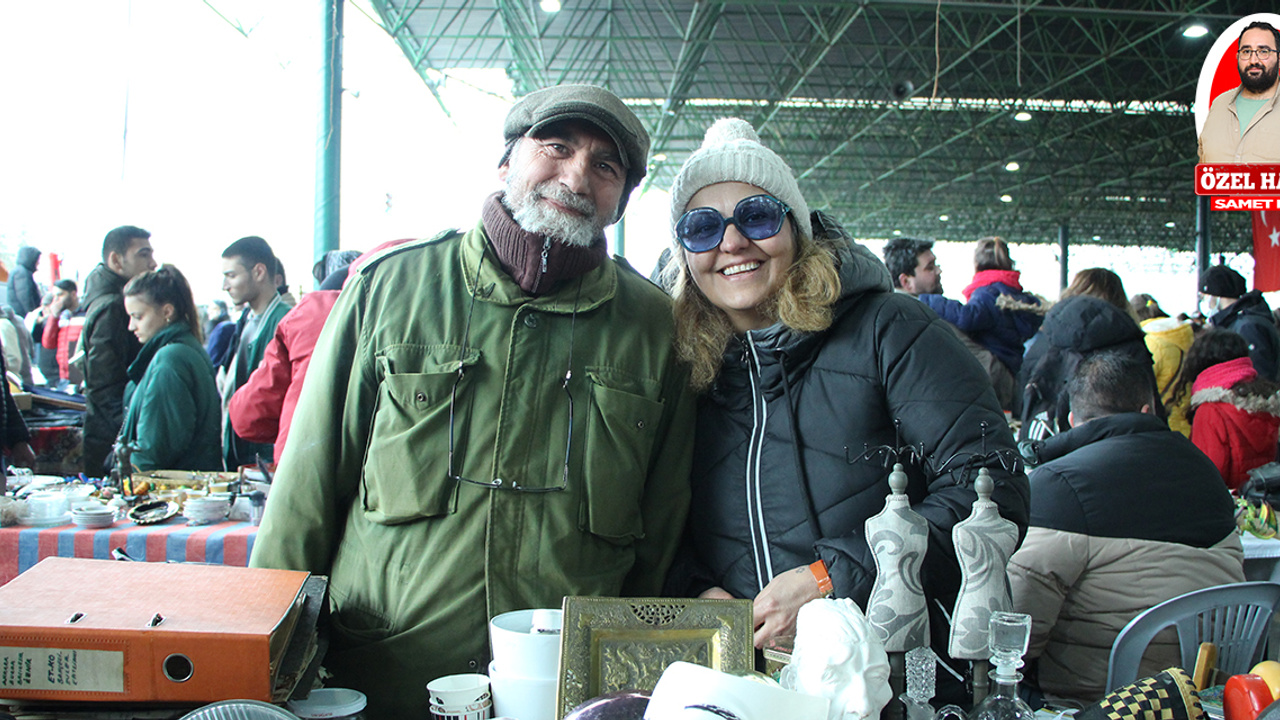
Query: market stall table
[(225, 543)]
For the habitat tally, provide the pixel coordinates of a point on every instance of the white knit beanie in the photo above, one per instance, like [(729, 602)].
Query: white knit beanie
[(732, 152)]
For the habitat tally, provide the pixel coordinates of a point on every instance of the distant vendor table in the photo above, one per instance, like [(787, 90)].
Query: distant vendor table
[(226, 543), (1261, 558)]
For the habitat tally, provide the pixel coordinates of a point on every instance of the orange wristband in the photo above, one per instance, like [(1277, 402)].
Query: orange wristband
[(819, 570)]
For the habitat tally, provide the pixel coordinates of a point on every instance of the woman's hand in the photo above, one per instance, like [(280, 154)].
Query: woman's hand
[(777, 605), (715, 593)]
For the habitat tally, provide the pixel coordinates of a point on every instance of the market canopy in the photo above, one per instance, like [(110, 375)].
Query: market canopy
[(898, 116)]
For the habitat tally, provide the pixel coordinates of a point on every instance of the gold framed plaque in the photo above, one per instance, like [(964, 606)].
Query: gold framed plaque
[(611, 644)]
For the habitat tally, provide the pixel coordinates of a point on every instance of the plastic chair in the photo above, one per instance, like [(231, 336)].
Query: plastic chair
[(1233, 617)]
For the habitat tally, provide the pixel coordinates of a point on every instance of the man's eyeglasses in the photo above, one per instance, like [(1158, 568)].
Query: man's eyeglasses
[(1262, 53), (758, 217), (500, 483)]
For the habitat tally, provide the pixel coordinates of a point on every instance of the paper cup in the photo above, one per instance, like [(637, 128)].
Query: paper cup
[(460, 697)]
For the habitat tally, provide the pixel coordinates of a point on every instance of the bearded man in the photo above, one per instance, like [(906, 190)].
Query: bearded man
[(1243, 125), (493, 418)]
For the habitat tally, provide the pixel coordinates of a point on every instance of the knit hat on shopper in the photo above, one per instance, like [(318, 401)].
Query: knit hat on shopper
[(732, 152), (1222, 281)]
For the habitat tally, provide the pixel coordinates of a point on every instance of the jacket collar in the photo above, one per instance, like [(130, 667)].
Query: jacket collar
[(496, 286), (170, 334), (1130, 423)]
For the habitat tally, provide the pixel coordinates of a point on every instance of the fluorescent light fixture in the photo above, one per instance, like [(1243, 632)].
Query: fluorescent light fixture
[(1006, 198), (1022, 116), (1195, 30), (660, 157), (1012, 166), (897, 232), (550, 6), (944, 218), (1171, 224), (1096, 238)]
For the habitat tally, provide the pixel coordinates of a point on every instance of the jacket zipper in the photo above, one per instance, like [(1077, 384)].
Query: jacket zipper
[(755, 513)]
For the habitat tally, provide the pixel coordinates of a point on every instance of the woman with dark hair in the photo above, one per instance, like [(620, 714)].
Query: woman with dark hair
[(1168, 339), (1234, 414), (996, 314), (173, 411), (805, 357)]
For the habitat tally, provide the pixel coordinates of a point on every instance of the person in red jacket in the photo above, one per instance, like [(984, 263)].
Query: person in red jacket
[(62, 326), (262, 408), (1234, 414)]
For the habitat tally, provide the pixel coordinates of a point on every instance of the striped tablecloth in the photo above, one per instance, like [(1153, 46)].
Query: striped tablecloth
[(227, 543)]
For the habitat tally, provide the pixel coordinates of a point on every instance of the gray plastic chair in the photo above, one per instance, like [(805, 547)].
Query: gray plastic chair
[(1233, 617)]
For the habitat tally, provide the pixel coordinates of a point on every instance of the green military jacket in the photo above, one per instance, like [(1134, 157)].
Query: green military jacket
[(419, 562), (172, 406)]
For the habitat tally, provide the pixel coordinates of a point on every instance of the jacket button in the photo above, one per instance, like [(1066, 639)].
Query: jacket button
[(640, 425), (531, 321), (420, 396)]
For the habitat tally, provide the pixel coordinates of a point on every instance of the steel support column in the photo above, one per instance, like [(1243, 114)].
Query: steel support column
[(1203, 247), (1064, 275), (329, 134)]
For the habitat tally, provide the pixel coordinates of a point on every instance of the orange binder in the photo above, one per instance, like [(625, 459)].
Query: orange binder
[(102, 630)]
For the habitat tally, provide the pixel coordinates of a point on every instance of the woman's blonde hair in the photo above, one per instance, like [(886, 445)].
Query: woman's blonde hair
[(703, 331)]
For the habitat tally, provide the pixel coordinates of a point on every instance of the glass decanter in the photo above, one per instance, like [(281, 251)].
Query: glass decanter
[(1010, 633)]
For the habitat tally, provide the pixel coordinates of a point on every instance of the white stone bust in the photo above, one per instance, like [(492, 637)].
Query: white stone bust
[(837, 656)]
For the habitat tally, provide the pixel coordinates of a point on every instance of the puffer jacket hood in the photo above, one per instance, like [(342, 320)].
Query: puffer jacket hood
[(28, 257), (1084, 324)]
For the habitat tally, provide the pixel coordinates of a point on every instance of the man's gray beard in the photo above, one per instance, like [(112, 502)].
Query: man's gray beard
[(1264, 81), (540, 218)]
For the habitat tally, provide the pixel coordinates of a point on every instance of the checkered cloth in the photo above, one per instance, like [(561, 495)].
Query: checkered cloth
[(1169, 695)]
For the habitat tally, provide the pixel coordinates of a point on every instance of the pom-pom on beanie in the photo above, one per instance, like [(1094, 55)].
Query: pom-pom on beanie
[(732, 152)]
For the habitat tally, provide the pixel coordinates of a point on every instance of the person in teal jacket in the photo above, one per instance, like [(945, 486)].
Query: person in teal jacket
[(173, 410)]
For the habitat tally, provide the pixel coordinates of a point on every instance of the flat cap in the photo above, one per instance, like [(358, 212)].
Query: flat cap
[(589, 103)]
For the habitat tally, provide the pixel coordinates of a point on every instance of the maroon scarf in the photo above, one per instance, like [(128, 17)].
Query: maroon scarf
[(520, 251)]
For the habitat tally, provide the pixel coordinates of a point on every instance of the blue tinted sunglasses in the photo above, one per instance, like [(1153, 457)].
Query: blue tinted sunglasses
[(758, 217)]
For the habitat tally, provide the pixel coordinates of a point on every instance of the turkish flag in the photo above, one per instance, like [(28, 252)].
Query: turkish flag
[(1266, 250)]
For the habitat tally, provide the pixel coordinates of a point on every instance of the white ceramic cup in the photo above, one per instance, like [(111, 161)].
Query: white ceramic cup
[(523, 697)]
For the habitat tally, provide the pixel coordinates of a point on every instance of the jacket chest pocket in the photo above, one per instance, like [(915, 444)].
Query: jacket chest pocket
[(622, 425), (406, 466)]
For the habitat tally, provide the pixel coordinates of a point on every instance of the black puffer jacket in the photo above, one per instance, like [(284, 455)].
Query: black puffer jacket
[(1250, 317), (24, 295), (886, 358), (109, 349)]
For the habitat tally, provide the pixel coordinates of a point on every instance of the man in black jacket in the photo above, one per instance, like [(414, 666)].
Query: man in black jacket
[(1125, 514), (108, 345), (1222, 293)]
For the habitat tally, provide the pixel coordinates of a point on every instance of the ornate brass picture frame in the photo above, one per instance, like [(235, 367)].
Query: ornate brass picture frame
[(611, 644)]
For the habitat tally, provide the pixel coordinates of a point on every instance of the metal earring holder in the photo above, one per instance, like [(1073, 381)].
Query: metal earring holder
[(983, 543)]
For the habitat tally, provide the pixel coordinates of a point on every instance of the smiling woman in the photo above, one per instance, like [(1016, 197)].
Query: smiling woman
[(801, 351)]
